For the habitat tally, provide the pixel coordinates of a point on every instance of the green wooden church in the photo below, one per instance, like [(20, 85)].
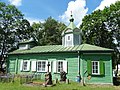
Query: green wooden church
[(92, 63)]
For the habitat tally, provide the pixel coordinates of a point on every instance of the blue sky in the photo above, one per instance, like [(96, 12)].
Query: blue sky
[(39, 10)]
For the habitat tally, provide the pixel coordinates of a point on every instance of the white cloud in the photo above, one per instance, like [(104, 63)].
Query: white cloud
[(79, 10), (106, 3), (32, 20), (16, 2)]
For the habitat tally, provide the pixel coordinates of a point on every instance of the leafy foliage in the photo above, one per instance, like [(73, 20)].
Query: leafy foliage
[(102, 27), (49, 32), (13, 27)]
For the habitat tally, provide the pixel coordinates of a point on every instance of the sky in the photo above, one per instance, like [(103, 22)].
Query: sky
[(40, 10)]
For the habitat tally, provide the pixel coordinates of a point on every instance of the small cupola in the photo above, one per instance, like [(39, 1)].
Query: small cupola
[(27, 44), (71, 36)]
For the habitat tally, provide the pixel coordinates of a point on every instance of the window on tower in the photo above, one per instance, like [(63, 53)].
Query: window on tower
[(68, 38)]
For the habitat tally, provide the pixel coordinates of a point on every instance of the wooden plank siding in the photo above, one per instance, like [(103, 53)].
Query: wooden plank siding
[(107, 78), (72, 59)]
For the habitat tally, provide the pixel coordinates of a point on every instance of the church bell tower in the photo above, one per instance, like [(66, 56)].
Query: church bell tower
[(71, 36)]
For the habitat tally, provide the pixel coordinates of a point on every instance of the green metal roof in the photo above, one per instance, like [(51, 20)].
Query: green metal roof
[(60, 48), (71, 26)]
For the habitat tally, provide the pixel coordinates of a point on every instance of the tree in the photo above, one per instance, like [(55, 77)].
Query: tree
[(37, 31), (13, 27), (102, 27), (49, 32), (113, 25), (95, 31)]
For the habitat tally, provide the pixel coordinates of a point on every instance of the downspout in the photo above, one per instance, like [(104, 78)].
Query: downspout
[(78, 63), (78, 76), (82, 68), (16, 66)]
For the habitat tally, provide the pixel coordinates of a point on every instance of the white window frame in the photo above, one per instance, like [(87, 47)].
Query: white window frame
[(60, 66), (45, 68), (64, 68), (27, 66), (25, 63), (98, 68), (69, 38)]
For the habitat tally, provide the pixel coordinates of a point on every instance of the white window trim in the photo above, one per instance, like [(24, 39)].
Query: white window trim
[(28, 65), (69, 38), (50, 67), (98, 68), (33, 65), (21, 65), (65, 66), (69, 41), (55, 66), (46, 62)]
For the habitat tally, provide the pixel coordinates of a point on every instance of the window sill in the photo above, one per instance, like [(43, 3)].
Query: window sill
[(41, 71), (25, 71), (56, 72), (97, 75)]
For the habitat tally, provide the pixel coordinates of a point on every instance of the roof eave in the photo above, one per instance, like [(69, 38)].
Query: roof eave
[(82, 51), (44, 52), (95, 51)]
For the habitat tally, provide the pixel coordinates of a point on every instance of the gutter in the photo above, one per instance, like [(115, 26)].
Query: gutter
[(78, 63)]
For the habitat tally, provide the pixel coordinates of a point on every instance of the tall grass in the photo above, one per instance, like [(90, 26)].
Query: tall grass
[(60, 86)]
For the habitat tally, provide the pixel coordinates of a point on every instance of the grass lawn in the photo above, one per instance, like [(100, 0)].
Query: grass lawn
[(61, 86)]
